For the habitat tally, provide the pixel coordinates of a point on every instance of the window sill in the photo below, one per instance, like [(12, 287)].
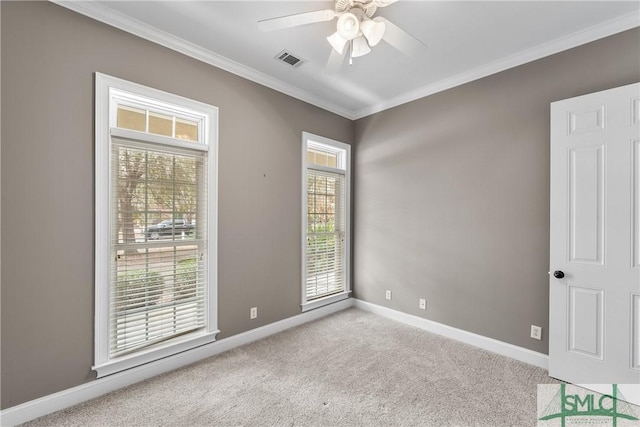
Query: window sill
[(321, 302), (154, 353)]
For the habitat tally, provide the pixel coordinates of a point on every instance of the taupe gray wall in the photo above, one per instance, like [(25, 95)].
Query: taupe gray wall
[(451, 196), (49, 55), (452, 193)]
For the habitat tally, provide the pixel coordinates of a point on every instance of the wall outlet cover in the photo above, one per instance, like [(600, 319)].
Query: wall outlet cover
[(536, 332)]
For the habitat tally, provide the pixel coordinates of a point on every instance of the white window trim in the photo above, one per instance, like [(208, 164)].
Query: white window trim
[(345, 167), (107, 87)]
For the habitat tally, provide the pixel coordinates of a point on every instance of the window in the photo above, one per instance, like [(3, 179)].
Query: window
[(155, 224), (325, 221)]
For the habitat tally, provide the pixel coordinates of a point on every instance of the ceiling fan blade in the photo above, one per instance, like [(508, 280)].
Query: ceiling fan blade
[(383, 3), (296, 20), (401, 40)]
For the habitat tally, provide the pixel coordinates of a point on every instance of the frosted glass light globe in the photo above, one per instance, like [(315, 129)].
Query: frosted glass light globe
[(348, 26)]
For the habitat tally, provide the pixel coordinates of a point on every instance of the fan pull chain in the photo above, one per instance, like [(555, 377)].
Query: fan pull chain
[(350, 52)]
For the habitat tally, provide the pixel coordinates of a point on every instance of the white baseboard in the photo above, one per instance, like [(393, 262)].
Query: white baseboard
[(513, 351), (73, 396)]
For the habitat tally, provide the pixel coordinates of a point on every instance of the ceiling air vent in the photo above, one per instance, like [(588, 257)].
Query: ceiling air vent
[(290, 59)]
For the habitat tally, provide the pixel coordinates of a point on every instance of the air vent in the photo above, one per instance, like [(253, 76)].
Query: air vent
[(290, 59)]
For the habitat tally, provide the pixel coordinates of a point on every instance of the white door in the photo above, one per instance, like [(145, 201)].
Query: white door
[(594, 323)]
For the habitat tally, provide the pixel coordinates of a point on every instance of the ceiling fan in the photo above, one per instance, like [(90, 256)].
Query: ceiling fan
[(356, 28)]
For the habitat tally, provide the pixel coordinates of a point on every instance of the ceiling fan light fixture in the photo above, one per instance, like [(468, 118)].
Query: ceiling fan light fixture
[(373, 30), (348, 26), (359, 47), (337, 42)]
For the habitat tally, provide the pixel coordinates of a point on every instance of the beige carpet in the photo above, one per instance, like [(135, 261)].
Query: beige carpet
[(353, 368)]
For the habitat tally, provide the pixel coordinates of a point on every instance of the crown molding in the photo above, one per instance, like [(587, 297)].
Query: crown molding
[(123, 22), (106, 15), (596, 32)]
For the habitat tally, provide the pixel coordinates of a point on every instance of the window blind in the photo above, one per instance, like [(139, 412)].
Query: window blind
[(158, 270), (325, 257)]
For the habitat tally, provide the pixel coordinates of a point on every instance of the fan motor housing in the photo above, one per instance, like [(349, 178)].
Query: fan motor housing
[(368, 7)]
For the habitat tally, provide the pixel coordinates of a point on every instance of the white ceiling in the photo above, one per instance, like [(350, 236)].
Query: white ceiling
[(466, 40)]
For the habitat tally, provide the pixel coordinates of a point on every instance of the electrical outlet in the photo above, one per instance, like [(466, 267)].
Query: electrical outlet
[(536, 332), (387, 295), (423, 304), (253, 313)]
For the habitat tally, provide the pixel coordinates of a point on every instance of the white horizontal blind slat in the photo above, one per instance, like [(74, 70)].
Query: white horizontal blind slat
[(325, 249), (158, 273)]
